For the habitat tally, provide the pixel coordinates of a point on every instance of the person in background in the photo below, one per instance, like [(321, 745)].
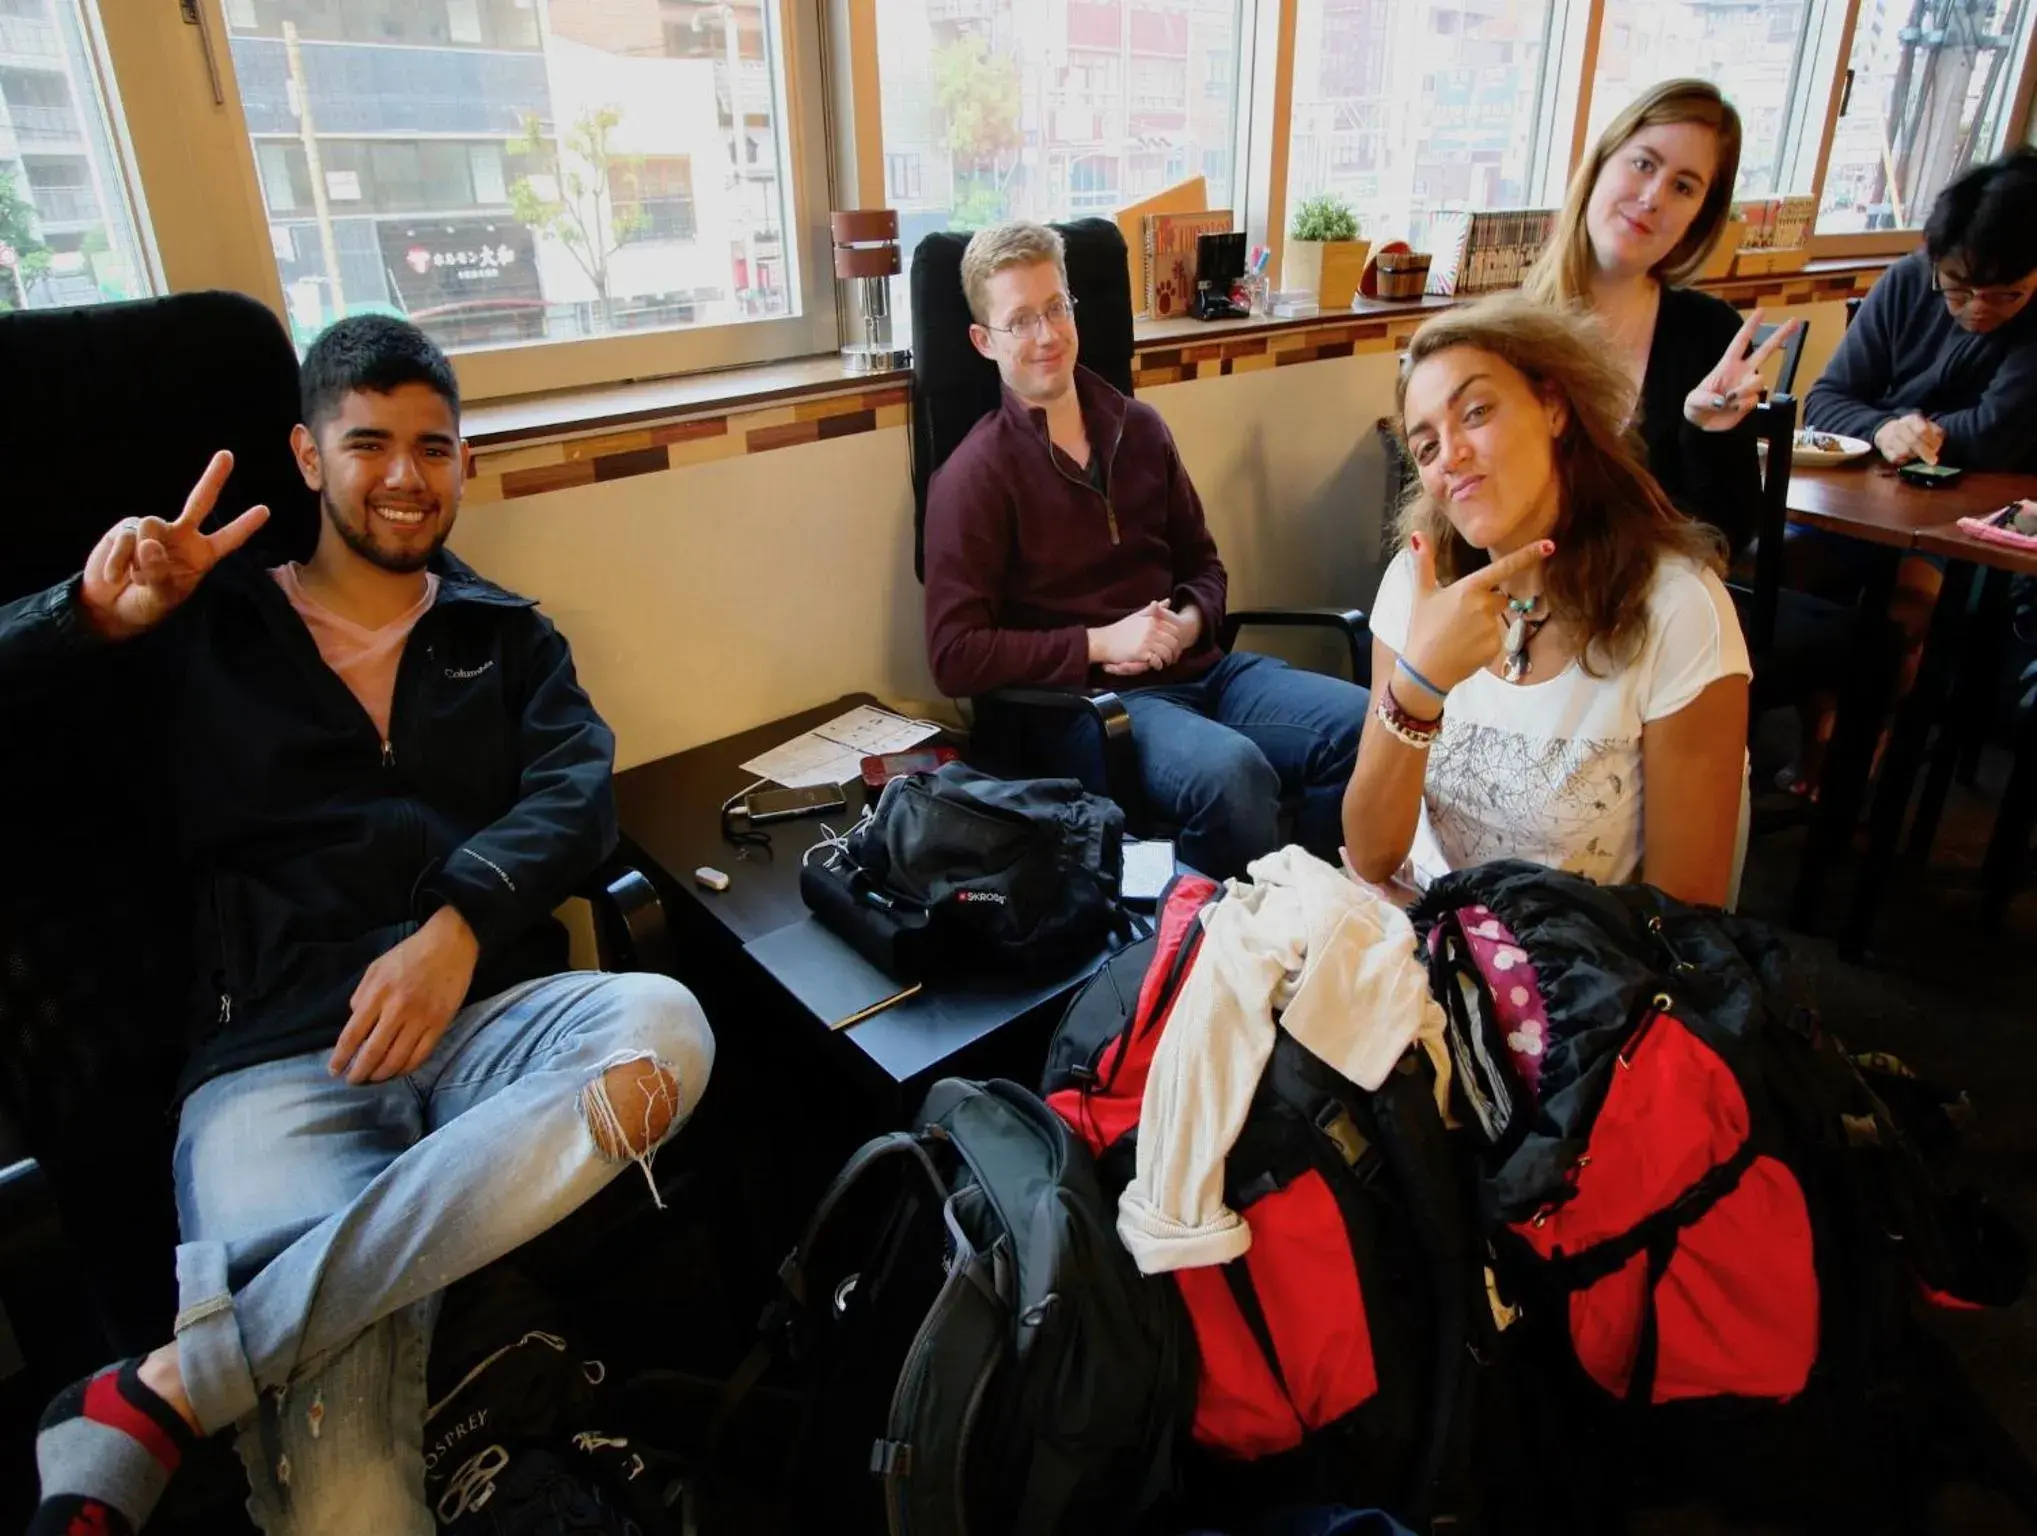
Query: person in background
[(1558, 672), (1065, 546), (1644, 210), (1940, 365), (1941, 362)]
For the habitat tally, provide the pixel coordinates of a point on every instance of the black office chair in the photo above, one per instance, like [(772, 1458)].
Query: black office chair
[(1792, 355), (107, 411), (1802, 647), (954, 387)]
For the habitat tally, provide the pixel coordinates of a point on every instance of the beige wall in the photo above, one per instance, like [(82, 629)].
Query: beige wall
[(706, 600)]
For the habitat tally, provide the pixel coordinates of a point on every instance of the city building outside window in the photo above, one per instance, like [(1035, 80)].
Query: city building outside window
[(1407, 108), (1019, 109), (508, 172), (68, 234), (1754, 52), (1929, 96)]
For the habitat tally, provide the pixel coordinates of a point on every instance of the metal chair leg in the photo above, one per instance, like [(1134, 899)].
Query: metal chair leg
[(1964, 726)]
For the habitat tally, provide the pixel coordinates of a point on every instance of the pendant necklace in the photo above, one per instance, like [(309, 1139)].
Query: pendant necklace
[(1520, 630)]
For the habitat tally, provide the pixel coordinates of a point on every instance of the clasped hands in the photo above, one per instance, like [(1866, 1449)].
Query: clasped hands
[(1150, 640)]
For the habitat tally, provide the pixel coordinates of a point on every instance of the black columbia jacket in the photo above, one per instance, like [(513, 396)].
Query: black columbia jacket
[(315, 847)]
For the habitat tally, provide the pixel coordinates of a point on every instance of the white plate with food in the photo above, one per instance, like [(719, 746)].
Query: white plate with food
[(1815, 447)]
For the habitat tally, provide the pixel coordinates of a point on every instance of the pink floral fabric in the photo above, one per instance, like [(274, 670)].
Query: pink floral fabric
[(1516, 993)]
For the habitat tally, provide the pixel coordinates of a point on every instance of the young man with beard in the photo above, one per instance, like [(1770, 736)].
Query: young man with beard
[(1065, 546), (386, 777)]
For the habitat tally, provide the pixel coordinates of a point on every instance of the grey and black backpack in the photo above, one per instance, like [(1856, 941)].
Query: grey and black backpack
[(981, 1353)]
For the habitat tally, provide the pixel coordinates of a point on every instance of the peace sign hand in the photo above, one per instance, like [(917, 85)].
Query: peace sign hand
[(1460, 629), (1724, 396), (144, 567)]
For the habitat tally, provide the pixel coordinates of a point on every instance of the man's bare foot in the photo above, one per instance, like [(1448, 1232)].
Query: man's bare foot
[(161, 1374)]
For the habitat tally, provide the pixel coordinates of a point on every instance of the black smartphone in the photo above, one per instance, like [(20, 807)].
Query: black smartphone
[(1933, 475), (765, 805)]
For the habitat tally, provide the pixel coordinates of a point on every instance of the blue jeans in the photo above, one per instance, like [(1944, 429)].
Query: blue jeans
[(1217, 754), (320, 1221)]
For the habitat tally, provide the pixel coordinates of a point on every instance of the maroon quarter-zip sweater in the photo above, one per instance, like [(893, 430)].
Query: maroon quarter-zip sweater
[(1024, 555)]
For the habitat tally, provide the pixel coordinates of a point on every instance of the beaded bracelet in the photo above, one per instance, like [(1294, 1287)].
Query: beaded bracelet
[(1401, 665), (1405, 728)]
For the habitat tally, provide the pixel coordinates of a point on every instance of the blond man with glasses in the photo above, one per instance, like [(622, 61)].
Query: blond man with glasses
[(1065, 546)]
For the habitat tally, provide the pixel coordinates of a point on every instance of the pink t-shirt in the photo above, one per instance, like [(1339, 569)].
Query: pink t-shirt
[(365, 659)]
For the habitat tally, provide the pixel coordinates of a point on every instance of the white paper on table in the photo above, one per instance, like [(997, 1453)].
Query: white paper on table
[(833, 752)]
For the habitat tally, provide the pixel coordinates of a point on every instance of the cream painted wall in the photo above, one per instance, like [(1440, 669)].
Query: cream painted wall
[(707, 600)]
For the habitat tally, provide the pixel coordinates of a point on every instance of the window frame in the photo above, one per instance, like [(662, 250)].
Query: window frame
[(178, 127), (211, 225)]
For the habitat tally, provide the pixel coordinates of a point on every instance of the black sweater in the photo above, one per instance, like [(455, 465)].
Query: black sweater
[(1905, 353), (1713, 476), (314, 848)]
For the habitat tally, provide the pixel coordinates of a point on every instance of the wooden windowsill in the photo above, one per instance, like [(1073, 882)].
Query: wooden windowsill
[(506, 423)]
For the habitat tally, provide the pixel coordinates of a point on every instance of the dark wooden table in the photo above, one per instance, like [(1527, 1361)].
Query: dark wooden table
[(1868, 502), (759, 946)]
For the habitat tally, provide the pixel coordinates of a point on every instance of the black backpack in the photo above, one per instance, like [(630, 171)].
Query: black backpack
[(957, 859), (523, 1436), (1717, 1221), (981, 1353)]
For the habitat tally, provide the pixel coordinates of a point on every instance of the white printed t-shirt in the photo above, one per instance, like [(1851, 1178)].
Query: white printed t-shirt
[(1550, 770)]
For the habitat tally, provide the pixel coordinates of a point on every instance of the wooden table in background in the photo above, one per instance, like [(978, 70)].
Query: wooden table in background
[(1868, 502)]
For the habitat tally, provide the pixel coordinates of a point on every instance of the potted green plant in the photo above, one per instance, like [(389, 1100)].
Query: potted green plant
[(1324, 254)]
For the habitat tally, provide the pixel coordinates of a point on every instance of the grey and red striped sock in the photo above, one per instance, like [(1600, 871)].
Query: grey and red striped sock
[(106, 1449)]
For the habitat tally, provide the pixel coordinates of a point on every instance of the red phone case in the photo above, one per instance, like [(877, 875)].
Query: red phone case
[(879, 771)]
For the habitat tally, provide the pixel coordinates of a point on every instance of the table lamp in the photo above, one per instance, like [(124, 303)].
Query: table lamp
[(866, 259)]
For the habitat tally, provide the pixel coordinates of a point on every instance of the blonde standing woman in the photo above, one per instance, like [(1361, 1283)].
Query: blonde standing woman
[(1643, 212)]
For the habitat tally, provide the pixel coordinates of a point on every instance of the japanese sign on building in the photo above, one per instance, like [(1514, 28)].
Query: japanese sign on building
[(460, 262)]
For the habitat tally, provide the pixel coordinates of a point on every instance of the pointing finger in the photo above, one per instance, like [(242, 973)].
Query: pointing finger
[(1425, 563), (198, 505), (1513, 564)]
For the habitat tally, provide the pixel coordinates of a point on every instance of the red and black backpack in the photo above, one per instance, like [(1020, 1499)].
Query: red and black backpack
[(1333, 1351), (1701, 1201)]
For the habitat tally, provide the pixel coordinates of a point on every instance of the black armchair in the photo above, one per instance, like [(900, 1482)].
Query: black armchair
[(107, 411), (954, 387)]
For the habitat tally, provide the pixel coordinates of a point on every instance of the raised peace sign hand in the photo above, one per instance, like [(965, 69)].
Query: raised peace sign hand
[(144, 567), (1459, 629), (1724, 396)]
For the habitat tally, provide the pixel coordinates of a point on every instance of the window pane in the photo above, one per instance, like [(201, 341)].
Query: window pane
[(1011, 108), (1928, 99), (1751, 51), (1404, 108), (67, 234), (506, 171)]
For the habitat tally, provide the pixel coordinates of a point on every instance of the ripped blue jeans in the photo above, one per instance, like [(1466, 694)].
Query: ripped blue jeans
[(320, 1222)]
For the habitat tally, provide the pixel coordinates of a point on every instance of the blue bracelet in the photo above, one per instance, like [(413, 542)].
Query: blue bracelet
[(1421, 682)]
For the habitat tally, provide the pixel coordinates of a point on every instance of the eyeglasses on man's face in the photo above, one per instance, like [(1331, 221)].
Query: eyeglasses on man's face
[(1958, 294), (1057, 316)]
